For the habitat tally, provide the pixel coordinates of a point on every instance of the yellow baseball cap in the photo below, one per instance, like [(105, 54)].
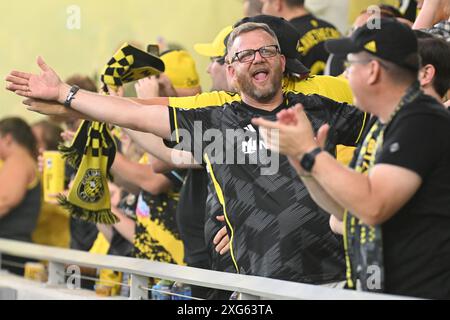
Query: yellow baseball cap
[(215, 48), (180, 68)]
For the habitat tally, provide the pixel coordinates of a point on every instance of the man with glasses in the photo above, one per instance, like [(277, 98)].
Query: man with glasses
[(394, 204), (276, 230)]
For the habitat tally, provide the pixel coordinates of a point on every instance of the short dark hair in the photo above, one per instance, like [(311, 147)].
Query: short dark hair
[(20, 132), (295, 3), (248, 27), (396, 72), (436, 52)]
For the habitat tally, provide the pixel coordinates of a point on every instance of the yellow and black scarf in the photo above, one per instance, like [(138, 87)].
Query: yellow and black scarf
[(89, 198), (93, 148)]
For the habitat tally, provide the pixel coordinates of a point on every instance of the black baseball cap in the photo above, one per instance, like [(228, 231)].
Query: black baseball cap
[(393, 42), (288, 38)]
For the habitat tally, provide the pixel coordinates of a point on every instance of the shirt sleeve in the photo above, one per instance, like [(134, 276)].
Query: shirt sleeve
[(176, 177), (416, 142), (346, 122), (188, 127), (203, 100)]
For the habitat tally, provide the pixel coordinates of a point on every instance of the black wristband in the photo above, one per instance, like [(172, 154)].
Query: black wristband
[(308, 159), (73, 91)]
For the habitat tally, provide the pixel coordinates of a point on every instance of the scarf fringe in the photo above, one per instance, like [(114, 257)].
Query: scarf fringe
[(104, 216), (71, 155)]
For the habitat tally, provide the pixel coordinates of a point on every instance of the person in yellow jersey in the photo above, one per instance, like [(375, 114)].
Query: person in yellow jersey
[(53, 226)]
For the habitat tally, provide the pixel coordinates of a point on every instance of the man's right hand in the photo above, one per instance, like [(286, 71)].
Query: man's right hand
[(46, 86)]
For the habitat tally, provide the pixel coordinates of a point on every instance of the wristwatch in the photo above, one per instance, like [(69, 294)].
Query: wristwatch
[(73, 90), (308, 159)]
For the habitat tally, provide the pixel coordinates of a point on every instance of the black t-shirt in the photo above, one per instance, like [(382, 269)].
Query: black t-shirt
[(223, 263), (191, 217), (416, 240), (276, 228), (82, 234), (313, 34)]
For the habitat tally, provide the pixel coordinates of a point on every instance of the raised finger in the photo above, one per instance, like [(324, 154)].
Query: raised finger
[(16, 80), (19, 74), (23, 93), (41, 63), (15, 87)]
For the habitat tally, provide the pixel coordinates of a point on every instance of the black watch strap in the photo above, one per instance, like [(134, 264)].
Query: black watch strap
[(73, 91), (308, 159)]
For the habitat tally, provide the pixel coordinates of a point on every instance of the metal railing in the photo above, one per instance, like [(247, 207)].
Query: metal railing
[(250, 287)]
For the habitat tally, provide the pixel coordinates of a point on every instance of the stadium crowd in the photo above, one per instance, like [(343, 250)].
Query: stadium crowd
[(315, 157)]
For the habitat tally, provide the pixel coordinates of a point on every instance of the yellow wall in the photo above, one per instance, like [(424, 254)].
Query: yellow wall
[(356, 6), (32, 28)]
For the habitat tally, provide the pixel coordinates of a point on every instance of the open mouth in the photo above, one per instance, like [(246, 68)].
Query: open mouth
[(260, 75)]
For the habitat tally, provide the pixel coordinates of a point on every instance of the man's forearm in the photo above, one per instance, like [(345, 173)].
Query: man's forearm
[(427, 16), (131, 174), (156, 147), (126, 226), (152, 101), (322, 198), (350, 189), (119, 111)]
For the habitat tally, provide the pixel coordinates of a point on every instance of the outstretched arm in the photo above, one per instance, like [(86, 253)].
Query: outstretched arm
[(122, 112), (156, 147)]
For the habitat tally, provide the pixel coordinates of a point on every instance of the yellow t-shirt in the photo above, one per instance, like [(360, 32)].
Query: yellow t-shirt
[(52, 227)]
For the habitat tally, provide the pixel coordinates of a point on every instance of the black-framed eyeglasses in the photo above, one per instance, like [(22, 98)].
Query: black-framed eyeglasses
[(245, 56)]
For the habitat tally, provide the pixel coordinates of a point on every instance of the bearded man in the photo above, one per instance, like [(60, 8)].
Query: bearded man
[(276, 230)]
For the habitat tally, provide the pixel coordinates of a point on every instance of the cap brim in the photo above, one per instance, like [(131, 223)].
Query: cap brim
[(295, 66), (208, 50), (341, 47)]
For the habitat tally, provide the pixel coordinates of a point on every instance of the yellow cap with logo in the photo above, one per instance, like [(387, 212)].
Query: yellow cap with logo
[(215, 48), (180, 68)]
